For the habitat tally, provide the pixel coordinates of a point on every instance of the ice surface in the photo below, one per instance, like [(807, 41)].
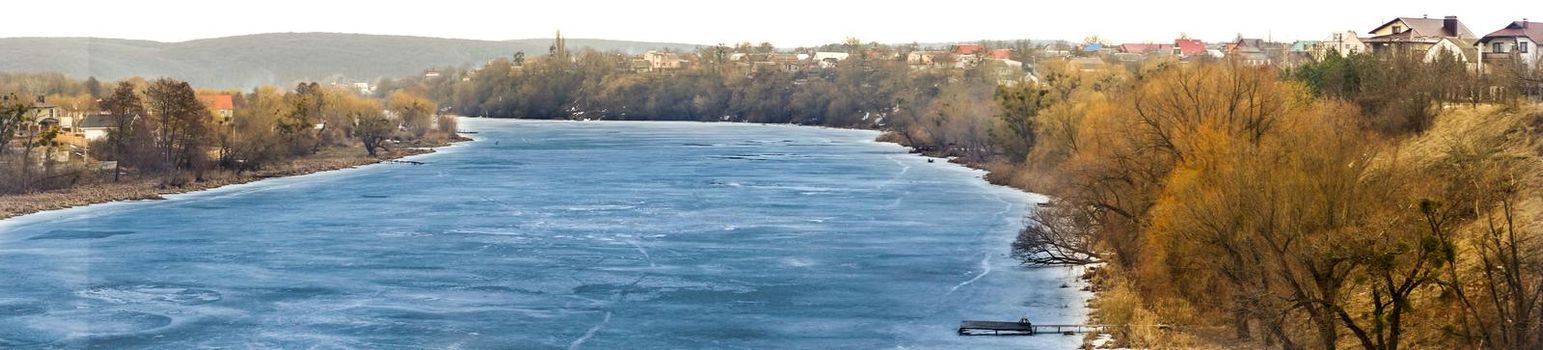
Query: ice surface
[(550, 235)]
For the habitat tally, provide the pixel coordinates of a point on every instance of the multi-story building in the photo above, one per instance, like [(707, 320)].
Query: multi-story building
[(1517, 43)]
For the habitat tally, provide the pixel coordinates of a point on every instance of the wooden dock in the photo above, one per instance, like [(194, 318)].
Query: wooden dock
[(1024, 327)]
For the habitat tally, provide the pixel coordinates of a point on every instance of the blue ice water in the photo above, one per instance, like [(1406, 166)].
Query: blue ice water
[(550, 235)]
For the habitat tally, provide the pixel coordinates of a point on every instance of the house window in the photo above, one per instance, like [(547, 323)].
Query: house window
[(1499, 47), (1522, 47), (1398, 29)]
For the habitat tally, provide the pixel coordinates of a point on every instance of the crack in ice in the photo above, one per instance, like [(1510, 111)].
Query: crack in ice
[(591, 333), (647, 257), (985, 265), (904, 168), (621, 296)]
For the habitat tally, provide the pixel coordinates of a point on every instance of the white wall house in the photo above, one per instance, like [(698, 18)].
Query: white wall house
[(1344, 43), (95, 126), (1516, 43)]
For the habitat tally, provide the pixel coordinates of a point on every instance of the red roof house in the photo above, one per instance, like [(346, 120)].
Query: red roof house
[(1189, 47), (222, 105), (1517, 42), (968, 49)]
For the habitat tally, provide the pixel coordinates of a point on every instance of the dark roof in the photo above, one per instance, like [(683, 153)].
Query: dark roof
[(97, 121), (1432, 27), (1248, 45), (1532, 30)]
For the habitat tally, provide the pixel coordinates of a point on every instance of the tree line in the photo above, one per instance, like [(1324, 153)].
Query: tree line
[(161, 129), (944, 111)]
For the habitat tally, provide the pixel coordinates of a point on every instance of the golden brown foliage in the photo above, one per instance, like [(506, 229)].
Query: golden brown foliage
[(1224, 196)]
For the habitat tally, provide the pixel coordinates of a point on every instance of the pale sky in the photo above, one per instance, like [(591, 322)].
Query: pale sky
[(786, 23)]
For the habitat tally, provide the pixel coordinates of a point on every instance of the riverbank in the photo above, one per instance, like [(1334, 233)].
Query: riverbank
[(154, 187)]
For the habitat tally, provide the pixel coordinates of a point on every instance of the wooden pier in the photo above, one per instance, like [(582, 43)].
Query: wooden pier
[(1024, 327)]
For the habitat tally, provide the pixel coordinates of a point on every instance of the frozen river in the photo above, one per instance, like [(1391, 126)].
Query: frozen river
[(605, 235)]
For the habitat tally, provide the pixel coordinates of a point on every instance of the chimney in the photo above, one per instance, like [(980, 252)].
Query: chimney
[(1449, 26)]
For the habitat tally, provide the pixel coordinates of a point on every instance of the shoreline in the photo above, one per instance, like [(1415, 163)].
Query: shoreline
[(139, 188)]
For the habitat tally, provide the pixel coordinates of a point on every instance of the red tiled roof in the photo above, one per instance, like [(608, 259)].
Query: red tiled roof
[(1190, 46), (1002, 54), (218, 102), (968, 49), (1533, 30)]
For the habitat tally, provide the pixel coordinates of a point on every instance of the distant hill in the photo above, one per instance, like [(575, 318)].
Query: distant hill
[(277, 59)]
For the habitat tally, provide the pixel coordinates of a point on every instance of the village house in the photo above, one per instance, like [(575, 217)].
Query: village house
[(968, 49), (1187, 48), (1301, 52), (95, 126), (1517, 43), (1096, 49), (925, 59), (1249, 51), (1424, 37), (1344, 43), (46, 115), (1005, 71), (664, 61), (223, 106), (787, 62)]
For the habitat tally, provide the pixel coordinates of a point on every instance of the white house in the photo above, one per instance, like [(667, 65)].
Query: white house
[(95, 126), (829, 59), (1516, 43), (1344, 43), (659, 61)]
